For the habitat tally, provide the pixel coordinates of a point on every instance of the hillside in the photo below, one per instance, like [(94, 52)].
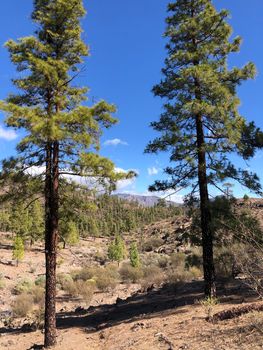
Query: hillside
[(158, 310), (145, 201)]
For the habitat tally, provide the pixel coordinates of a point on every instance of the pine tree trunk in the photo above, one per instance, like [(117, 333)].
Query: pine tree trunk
[(207, 234), (51, 208)]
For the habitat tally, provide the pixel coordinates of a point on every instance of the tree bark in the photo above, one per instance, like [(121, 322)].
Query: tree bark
[(207, 234), (51, 231)]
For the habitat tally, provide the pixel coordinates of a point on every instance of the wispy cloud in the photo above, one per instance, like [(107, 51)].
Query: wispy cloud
[(128, 184), (115, 142), (7, 135), (153, 171)]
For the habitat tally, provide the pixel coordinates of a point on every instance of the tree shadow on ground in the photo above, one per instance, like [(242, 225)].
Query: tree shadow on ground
[(153, 303)]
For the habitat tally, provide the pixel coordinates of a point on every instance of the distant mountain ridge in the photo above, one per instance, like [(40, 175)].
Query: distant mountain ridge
[(145, 201)]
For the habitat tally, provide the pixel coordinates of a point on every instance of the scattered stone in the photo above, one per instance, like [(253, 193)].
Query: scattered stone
[(162, 338)]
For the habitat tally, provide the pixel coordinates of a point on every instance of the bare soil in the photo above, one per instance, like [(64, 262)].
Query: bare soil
[(127, 318)]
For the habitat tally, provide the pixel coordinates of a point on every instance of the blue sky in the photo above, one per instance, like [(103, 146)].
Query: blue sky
[(127, 54)]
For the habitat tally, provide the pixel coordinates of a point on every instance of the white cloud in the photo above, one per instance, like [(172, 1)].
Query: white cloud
[(152, 171), (115, 142), (7, 135), (128, 184)]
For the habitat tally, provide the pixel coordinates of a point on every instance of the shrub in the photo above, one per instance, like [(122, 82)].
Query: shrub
[(106, 278), (40, 281), (209, 303), (152, 275), (151, 244), (22, 305), (224, 262), (38, 317), (38, 294), (178, 260), (100, 258), (23, 286), (86, 290), (195, 272), (193, 260), (62, 279), (84, 274), (129, 273), (163, 261), (70, 287)]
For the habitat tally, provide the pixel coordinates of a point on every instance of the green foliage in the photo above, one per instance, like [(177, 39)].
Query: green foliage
[(22, 286), (117, 250), (36, 225), (82, 214), (228, 223), (209, 303), (18, 249), (246, 197), (69, 232), (40, 281), (134, 256), (199, 90)]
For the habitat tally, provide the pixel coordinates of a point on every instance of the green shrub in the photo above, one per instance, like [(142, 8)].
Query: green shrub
[(209, 303), (22, 305), (23, 286), (63, 278), (134, 256), (40, 281)]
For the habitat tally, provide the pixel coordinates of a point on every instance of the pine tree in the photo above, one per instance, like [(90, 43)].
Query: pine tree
[(36, 226), (116, 250), (201, 124), (19, 220), (18, 249), (70, 233), (134, 256), (62, 133)]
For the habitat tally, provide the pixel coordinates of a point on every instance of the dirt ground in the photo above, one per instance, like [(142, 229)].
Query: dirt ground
[(165, 318), (170, 317)]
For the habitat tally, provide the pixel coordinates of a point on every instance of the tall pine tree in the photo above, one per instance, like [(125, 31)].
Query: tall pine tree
[(200, 125), (61, 131)]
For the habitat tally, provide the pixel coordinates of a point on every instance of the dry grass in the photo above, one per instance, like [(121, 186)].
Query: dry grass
[(22, 305)]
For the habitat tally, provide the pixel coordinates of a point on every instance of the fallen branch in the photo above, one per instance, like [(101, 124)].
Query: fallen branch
[(236, 312)]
